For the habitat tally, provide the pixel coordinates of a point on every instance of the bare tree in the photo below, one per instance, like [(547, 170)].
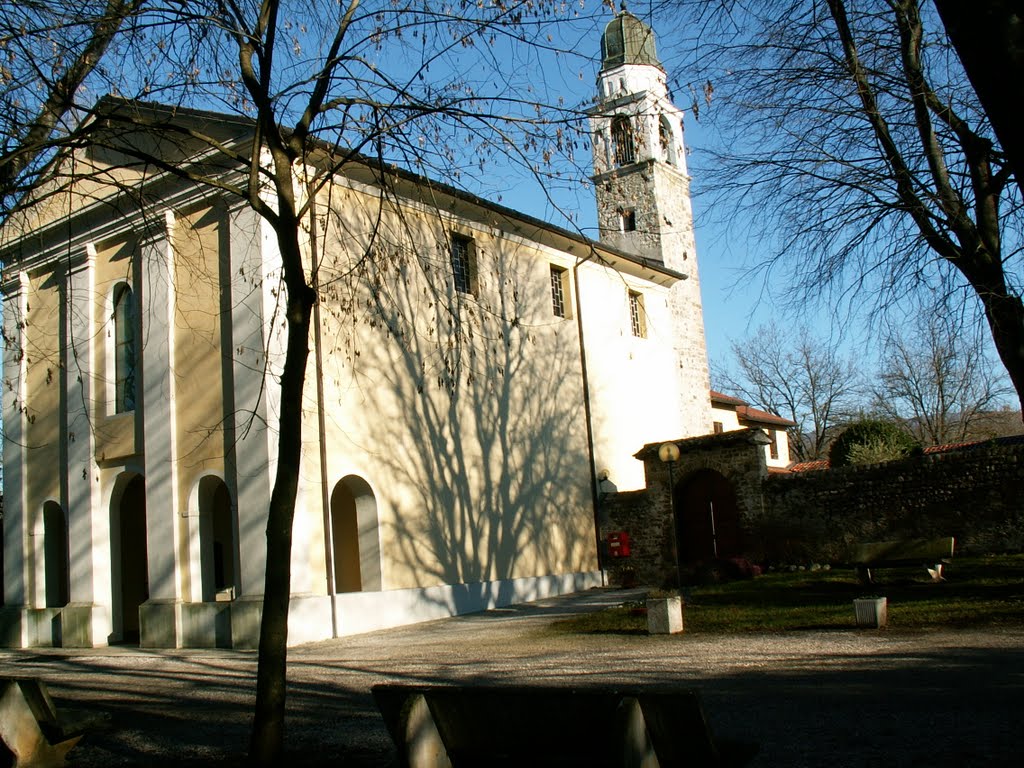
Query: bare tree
[(856, 141), (937, 380), (48, 51), (989, 39), (316, 87), (797, 376)]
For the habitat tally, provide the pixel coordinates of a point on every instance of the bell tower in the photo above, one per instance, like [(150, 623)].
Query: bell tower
[(643, 191)]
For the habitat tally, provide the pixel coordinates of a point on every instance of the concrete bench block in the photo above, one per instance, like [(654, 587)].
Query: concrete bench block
[(444, 726), (664, 615), (28, 722)]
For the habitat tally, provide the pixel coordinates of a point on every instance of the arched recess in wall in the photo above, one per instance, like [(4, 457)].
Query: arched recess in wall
[(355, 536), (217, 540), (56, 561), (707, 518), (129, 563), (622, 140)]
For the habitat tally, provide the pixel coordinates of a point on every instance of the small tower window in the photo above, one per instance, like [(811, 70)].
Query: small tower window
[(124, 349), (622, 139), (627, 220), (668, 149), (559, 280), (637, 318)]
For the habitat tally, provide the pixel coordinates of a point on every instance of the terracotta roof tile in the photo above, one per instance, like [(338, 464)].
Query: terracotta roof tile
[(762, 417), (719, 397)]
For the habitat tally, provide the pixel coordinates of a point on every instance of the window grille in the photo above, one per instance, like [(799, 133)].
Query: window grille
[(463, 266), (636, 314), (558, 303)]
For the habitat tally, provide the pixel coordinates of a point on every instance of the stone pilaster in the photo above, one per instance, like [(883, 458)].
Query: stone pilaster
[(159, 617), (13, 627)]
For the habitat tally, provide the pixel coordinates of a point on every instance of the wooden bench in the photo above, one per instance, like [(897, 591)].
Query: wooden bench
[(30, 728), (468, 726), (931, 554)]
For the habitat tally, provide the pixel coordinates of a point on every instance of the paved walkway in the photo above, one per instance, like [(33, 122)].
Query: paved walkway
[(835, 698)]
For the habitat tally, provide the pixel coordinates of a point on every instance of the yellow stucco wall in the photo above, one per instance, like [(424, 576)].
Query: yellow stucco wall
[(42, 402), (459, 410), (199, 245)]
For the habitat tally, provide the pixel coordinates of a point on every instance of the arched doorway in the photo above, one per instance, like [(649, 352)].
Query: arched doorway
[(356, 546), (707, 518), (216, 539), (129, 560), (55, 555)]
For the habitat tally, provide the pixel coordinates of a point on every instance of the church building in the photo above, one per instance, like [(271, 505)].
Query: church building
[(475, 377)]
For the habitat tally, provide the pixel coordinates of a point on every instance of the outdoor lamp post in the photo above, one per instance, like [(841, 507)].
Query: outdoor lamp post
[(669, 454)]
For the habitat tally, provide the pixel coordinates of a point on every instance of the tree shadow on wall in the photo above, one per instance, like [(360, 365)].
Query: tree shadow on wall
[(479, 396)]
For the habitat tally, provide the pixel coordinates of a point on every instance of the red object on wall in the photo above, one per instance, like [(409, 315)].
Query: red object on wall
[(618, 544)]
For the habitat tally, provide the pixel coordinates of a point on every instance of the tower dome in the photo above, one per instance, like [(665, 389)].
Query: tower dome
[(627, 40)]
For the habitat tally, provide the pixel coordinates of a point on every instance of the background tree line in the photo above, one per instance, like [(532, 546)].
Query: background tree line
[(932, 378)]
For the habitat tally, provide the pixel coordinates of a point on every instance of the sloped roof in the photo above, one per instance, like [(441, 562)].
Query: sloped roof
[(719, 397), (139, 117), (746, 413)]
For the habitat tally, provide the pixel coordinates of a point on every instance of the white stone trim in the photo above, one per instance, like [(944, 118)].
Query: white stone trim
[(159, 412), (16, 575), (87, 520)]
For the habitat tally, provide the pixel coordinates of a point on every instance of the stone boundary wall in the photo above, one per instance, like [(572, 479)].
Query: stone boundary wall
[(646, 515), (975, 494), (631, 512)]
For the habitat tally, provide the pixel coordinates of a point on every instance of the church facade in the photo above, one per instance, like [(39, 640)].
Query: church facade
[(474, 375)]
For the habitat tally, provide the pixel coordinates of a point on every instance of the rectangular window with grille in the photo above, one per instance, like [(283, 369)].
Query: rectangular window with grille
[(718, 426), (637, 317), (559, 291), (464, 264)]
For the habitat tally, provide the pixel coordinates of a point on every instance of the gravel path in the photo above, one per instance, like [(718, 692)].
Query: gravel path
[(816, 698)]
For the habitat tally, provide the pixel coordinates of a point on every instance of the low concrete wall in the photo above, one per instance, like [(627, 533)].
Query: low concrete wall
[(367, 611)]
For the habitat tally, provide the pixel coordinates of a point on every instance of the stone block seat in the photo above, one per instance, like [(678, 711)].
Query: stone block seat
[(930, 554), (32, 732), (506, 725)]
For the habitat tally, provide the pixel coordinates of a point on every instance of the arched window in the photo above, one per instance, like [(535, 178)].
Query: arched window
[(665, 139), (622, 138), (124, 349)]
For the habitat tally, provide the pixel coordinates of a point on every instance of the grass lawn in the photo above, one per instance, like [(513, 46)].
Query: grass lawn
[(978, 591)]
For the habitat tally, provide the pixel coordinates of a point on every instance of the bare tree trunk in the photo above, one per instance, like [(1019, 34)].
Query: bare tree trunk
[(267, 738), (989, 39), (1005, 316)]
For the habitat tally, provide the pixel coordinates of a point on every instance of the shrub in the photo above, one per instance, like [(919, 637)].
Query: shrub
[(871, 441)]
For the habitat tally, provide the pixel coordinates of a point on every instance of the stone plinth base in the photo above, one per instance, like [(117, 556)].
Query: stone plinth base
[(664, 615)]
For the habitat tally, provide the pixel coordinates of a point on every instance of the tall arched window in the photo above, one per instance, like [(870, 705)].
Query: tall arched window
[(622, 138), (124, 349)]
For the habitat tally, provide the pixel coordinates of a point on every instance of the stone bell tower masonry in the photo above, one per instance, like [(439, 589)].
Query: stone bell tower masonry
[(643, 191)]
